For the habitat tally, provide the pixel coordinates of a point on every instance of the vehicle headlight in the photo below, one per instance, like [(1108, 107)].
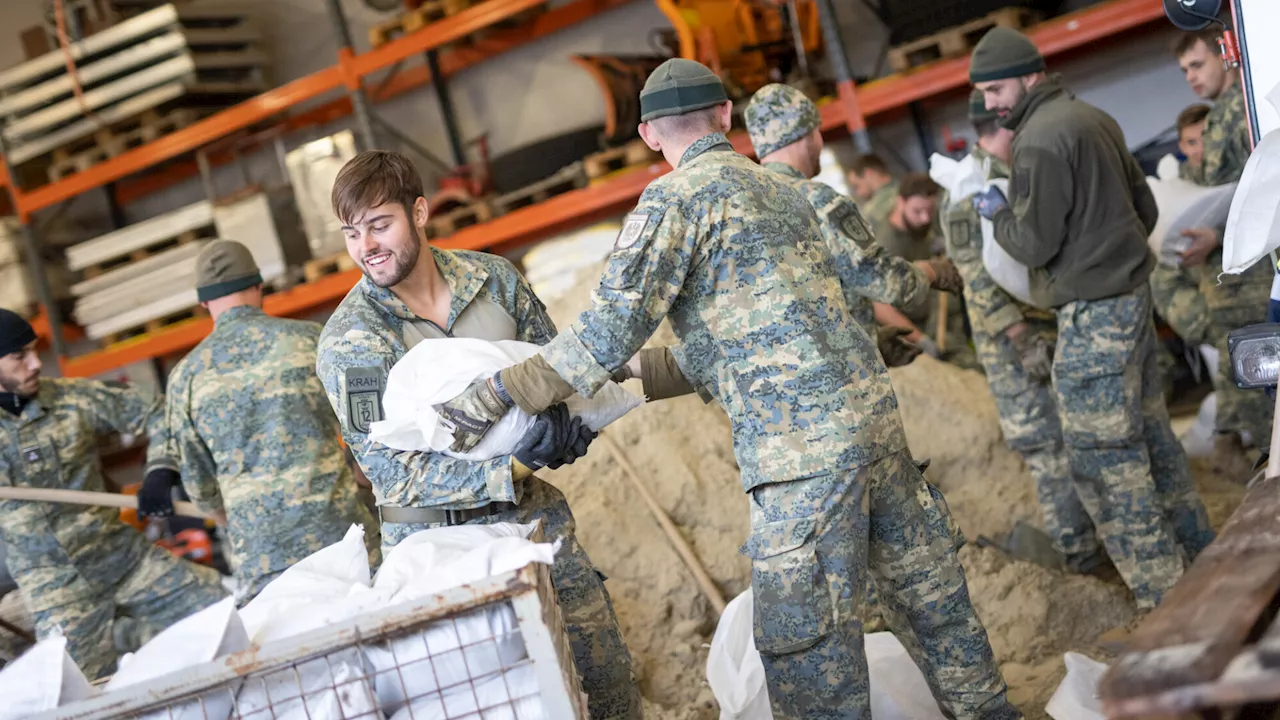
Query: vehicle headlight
[(1255, 355)]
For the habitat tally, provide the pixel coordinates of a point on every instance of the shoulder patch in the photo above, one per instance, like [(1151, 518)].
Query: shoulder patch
[(960, 232), (1019, 183), (363, 387), (632, 230), (845, 216)]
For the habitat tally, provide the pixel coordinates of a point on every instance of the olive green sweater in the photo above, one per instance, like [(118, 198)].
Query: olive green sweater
[(1079, 207)]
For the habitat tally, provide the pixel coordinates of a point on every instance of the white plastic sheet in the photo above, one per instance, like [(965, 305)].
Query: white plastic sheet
[(328, 688), (437, 370), (736, 674), (42, 678), (1253, 228), (210, 633), (1077, 697), (1184, 205)]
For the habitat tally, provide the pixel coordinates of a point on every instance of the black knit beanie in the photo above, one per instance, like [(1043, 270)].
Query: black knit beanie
[(15, 332), (1004, 53)]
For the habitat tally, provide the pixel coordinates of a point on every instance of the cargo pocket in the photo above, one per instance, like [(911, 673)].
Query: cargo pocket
[(793, 609), (1101, 403)]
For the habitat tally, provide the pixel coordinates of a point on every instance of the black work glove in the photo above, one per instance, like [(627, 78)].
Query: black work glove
[(577, 441), (893, 346), (155, 498), (473, 412), (1035, 354)]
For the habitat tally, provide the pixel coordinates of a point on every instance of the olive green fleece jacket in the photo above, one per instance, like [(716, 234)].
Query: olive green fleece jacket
[(1079, 208)]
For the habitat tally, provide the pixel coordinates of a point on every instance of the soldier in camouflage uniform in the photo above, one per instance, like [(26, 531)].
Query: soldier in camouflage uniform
[(732, 255), (412, 291), (1233, 301), (252, 429), (784, 128), (874, 188), (1014, 342), (1079, 218), (79, 567)]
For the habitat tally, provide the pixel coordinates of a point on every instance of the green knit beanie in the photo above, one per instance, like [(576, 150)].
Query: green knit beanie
[(224, 267), (777, 116), (680, 86), (1004, 53), (978, 111)]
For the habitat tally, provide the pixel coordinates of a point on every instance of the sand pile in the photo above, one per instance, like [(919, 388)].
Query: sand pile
[(683, 450)]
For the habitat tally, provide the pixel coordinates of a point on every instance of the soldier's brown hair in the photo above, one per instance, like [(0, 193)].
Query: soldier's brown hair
[(918, 185), (373, 178), (1187, 40), (863, 163), (1190, 116)]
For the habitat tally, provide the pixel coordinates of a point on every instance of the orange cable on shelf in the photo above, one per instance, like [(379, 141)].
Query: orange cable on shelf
[(64, 43)]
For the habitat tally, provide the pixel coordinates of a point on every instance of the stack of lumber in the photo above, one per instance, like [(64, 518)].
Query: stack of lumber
[(149, 75), (142, 278), (17, 287)]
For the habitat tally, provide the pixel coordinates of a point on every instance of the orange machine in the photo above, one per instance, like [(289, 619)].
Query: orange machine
[(748, 43)]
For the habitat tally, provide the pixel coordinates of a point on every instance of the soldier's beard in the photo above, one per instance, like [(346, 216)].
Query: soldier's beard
[(397, 268), (23, 388)]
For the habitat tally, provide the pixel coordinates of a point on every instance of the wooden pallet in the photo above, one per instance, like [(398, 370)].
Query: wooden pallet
[(569, 178), (117, 139), (612, 160), (159, 324), (415, 19), (1214, 641), (467, 215), (184, 238), (321, 267), (957, 40)]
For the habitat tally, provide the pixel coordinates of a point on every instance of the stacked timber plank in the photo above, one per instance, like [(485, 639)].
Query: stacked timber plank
[(151, 74), (17, 284), (142, 278)]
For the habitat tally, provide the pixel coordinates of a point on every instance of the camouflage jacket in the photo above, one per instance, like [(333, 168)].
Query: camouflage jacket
[(367, 331), (867, 273), (991, 310), (1194, 174), (58, 552), (255, 438), (1226, 138), (881, 202), (733, 256)]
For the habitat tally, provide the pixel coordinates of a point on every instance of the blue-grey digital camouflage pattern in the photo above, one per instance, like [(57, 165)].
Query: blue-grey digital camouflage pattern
[(1026, 406), (255, 438), (732, 255), (867, 273), (777, 116), (1131, 472), (365, 335), (77, 566)]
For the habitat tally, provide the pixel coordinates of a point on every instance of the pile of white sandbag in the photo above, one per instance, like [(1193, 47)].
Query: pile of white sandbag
[(448, 668)]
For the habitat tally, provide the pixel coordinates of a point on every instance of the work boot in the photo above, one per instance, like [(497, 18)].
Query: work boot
[(1229, 458)]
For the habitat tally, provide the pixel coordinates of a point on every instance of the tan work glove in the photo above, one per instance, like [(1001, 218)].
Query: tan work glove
[(1035, 353), (945, 276)]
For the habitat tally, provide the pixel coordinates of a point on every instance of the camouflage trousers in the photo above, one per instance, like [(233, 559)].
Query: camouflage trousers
[(601, 655), (1130, 471), (1202, 306), (159, 591), (1030, 425), (1235, 301), (814, 543)]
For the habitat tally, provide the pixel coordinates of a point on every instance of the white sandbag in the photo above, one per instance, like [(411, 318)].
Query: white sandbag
[(329, 585), (210, 633), (1184, 205), (1197, 440), (432, 560), (511, 695), (1009, 274), (438, 370), (446, 654), (962, 179), (1167, 167), (734, 669), (898, 688), (735, 672), (43, 678), (335, 687), (1077, 696)]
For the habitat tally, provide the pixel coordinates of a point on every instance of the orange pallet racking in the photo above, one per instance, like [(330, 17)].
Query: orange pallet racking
[(560, 213)]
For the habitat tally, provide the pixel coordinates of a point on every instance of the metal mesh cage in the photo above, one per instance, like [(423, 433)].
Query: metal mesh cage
[(493, 650)]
